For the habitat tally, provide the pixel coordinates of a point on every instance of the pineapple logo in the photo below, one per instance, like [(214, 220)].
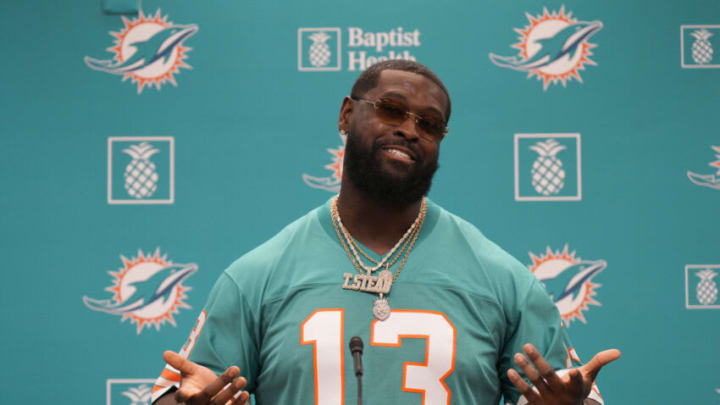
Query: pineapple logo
[(330, 183), (701, 289), (708, 180), (696, 46), (148, 50), (548, 176), (319, 49), (707, 290), (139, 395), (702, 52), (140, 175), (547, 167), (129, 391), (141, 170), (568, 280), (553, 47), (148, 289)]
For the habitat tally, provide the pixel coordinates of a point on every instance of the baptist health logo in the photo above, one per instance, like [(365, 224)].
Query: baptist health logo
[(148, 50), (701, 289), (128, 391), (141, 170), (553, 47), (548, 167), (320, 49), (698, 44), (711, 180), (568, 280), (148, 289)]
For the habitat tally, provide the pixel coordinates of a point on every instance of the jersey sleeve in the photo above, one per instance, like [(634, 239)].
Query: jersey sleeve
[(538, 322), (225, 334)]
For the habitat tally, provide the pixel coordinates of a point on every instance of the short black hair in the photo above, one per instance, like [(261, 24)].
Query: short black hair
[(368, 79)]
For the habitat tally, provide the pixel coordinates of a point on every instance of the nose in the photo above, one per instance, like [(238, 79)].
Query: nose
[(408, 128)]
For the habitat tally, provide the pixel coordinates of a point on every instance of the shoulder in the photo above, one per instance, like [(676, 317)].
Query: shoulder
[(268, 270), (490, 265), (469, 238), (259, 260)]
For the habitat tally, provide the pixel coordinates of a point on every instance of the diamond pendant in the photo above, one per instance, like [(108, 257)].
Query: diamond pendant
[(381, 308)]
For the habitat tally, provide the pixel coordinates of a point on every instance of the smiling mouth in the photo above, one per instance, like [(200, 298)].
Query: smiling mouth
[(397, 154)]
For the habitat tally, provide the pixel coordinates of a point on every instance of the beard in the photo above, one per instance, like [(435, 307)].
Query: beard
[(365, 171)]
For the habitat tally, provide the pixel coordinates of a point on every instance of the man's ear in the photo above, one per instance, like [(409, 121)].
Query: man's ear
[(345, 115)]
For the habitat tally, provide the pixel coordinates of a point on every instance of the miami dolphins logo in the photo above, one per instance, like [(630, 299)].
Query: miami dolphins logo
[(568, 280), (553, 47), (148, 50), (148, 290), (708, 180), (332, 182)]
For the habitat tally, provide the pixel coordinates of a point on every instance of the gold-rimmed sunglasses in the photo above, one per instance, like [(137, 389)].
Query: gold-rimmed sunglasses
[(395, 114)]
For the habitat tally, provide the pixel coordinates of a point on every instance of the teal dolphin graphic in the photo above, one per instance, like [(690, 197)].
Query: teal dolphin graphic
[(564, 42), (160, 46), (332, 182), (706, 180), (158, 286), (569, 282), (324, 183)]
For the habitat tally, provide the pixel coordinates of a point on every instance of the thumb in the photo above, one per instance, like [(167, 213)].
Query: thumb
[(592, 368), (179, 362)]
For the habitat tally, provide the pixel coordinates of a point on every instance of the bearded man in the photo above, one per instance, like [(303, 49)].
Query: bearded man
[(446, 313)]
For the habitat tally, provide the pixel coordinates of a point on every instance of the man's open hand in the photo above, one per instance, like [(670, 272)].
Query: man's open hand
[(200, 385), (551, 389)]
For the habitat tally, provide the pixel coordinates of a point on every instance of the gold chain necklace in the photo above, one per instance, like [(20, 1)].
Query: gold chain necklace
[(337, 221), (400, 253), (382, 283), (410, 241)]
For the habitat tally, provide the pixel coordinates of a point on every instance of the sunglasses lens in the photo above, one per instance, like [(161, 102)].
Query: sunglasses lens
[(432, 128), (396, 114), (392, 114)]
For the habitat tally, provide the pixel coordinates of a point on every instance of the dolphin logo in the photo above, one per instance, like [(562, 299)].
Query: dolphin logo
[(562, 44), (158, 47), (158, 286), (569, 282), (332, 182), (706, 180), (323, 183)]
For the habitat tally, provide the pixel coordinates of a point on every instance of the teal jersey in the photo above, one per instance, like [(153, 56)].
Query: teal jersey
[(461, 308)]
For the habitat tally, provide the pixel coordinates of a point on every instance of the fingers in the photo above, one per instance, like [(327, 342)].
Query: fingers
[(207, 393), (243, 398), (214, 387), (532, 374), (525, 389), (179, 362), (592, 368), (546, 382), (543, 367), (229, 392)]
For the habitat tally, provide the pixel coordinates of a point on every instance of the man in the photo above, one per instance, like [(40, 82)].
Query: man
[(446, 329)]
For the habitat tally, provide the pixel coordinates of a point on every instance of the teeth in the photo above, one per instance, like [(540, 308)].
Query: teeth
[(399, 153)]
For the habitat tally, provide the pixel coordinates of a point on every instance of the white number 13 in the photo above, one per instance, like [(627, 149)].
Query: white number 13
[(324, 330)]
